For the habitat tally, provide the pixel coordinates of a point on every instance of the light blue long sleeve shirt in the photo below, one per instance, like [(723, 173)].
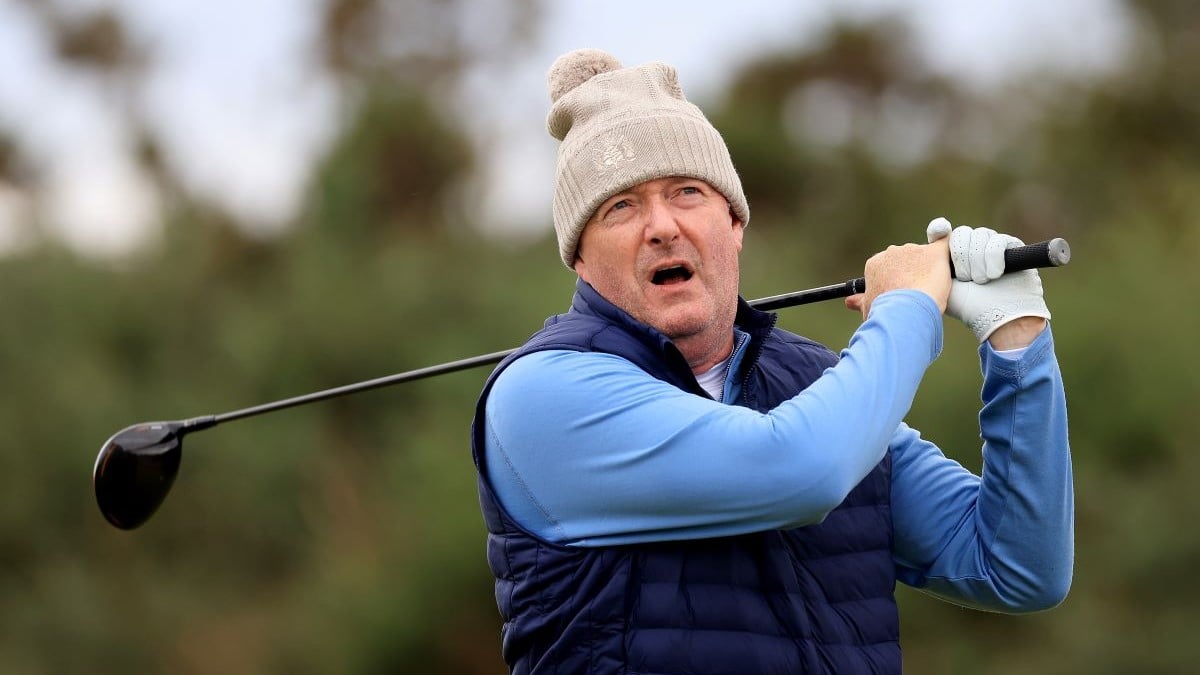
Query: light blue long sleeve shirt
[(586, 449)]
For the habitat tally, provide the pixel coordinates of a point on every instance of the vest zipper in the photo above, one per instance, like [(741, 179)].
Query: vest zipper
[(729, 374), (753, 358)]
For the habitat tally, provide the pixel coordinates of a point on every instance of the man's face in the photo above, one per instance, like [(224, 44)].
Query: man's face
[(666, 251)]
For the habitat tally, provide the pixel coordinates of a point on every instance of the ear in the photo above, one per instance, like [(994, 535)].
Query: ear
[(581, 268), (738, 230)]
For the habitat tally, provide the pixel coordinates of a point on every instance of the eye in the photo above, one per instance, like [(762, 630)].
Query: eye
[(619, 211), (616, 210)]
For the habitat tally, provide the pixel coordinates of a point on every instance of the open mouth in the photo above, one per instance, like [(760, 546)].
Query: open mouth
[(676, 274)]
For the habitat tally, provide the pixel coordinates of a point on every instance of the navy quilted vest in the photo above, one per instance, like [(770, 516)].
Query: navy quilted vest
[(814, 599)]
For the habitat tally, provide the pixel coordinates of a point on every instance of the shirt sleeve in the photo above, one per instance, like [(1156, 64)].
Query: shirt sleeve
[(1003, 541), (587, 449)]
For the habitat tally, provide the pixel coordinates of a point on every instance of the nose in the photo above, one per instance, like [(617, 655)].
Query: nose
[(661, 226)]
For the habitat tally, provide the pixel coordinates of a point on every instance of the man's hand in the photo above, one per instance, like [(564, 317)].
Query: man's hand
[(924, 268), (982, 296)]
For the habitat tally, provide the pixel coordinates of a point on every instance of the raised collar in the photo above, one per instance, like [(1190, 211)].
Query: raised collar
[(757, 324)]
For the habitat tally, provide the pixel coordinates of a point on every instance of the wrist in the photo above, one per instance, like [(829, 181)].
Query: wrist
[(1018, 333)]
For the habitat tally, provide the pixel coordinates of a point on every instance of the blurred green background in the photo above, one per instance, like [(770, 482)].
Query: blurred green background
[(345, 536)]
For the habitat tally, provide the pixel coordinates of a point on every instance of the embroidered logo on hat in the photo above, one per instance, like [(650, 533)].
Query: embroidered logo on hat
[(612, 151)]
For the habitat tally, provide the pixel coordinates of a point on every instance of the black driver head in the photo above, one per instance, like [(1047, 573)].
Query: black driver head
[(135, 470)]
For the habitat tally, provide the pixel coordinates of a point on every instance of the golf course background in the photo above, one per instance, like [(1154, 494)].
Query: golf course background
[(345, 536)]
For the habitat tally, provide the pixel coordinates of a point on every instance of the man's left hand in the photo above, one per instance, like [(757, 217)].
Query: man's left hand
[(988, 301)]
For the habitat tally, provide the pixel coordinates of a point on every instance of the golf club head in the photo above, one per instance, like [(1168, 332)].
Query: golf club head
[(135, 469)]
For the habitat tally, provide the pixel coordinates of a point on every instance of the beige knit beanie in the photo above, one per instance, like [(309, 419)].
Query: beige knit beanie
[(623, 126)]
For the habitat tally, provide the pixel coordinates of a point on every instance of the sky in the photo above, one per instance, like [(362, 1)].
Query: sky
[(242, 118)]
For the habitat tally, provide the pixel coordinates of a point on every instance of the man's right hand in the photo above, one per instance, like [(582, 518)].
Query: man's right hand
[(922, 267)]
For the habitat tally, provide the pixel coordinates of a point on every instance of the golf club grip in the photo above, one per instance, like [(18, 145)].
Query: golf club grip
[(1050, 253)]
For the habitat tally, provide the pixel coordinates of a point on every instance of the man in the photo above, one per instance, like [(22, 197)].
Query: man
[(672, 485)]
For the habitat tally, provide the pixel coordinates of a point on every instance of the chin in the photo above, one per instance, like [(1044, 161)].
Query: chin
[(677, 325)]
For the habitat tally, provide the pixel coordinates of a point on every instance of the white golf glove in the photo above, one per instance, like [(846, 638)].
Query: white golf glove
[(982, 296)]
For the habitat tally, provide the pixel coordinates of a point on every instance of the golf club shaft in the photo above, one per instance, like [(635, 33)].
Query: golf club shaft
[(774, 302), (1052, 253), (408, 376)]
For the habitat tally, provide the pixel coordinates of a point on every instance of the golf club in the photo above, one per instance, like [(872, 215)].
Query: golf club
[(137, 465)]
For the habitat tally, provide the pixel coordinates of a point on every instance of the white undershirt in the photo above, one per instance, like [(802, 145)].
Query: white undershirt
[(713, 380)]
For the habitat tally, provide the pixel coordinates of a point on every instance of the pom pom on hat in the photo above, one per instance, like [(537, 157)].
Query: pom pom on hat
[(574, 68)]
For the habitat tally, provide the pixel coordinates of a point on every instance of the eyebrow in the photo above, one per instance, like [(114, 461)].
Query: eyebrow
[(632, 191)]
